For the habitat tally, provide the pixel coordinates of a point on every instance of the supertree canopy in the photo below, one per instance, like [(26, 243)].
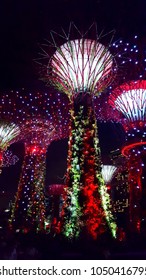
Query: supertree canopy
[(131, 61), (41, 120), (130, 100), (81, 65), (9, 133), (108, 172), (82, 68)]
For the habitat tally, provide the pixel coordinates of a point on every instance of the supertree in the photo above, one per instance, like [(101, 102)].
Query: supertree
[(81, 68), (132, 60), (40, 121), (9, 133), (37, 134), (130, 100)]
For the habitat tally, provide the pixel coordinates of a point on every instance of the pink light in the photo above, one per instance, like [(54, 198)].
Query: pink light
[(56, 189)]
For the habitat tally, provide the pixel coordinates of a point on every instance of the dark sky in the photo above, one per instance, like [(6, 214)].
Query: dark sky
[(24, 24)]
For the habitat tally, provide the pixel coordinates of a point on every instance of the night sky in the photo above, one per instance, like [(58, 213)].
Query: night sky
[(25, 24)]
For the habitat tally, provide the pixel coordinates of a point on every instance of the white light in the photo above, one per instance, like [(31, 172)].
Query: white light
[(132, 104), (81, 64), (108, 172), (7, 133)]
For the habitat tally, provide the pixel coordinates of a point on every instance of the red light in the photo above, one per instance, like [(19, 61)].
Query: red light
[(56, 189), (35, 150), (127, 148), (1, 156), (140, 84), (108, 187)]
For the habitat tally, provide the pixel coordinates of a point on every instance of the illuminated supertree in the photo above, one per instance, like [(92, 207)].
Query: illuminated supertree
[(41, 121), (9, 133), (131, 61), (82, 68), (130, 100), (37, 134)]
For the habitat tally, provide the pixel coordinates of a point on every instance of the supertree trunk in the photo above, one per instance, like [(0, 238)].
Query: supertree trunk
[(28, 213), (83, 203), (135, 189), (72, 210), (92, 207)]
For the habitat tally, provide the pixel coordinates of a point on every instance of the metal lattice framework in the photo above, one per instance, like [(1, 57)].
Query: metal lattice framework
[(37, 134), (78, 65), (81, 66), (33, 111)]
